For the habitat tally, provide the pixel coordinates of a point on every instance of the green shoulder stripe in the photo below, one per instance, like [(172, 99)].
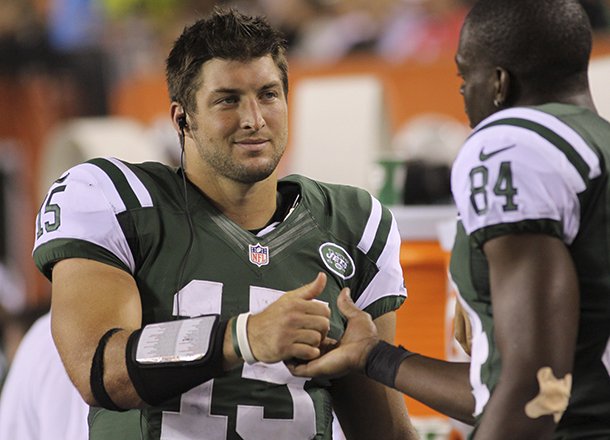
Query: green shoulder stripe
[(120, 182), (563, 145), (381, 237)]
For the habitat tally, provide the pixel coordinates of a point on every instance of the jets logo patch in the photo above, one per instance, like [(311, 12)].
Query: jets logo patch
[(258, 254), (337, 260)]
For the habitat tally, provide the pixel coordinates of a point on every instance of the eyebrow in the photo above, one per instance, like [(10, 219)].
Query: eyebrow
[(230, 91)]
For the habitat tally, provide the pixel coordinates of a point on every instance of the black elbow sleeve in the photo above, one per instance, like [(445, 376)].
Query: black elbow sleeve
[(96, 376)]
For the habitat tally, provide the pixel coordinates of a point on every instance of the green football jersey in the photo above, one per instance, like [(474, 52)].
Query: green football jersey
[(539, 170), (133, 216)]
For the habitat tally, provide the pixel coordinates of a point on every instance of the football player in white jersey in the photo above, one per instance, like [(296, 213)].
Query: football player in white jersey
[(531, 258)]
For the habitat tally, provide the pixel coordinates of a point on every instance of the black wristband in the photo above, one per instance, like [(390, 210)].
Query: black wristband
[(383, 361), (156, 383), (96, 377)]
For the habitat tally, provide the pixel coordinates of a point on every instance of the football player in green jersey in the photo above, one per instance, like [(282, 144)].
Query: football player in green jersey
[(164, 281), (531, 258)]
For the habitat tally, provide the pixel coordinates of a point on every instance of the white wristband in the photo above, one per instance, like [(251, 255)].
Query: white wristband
[(242, 338)]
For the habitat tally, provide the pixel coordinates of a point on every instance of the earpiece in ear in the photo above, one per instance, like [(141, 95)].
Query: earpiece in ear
[(182, 122)]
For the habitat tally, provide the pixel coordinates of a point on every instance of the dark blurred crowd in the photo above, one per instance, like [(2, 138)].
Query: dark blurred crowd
[(95, 42)]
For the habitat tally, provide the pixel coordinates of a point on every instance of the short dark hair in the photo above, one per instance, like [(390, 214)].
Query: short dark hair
[(536, 40), (226, 34)]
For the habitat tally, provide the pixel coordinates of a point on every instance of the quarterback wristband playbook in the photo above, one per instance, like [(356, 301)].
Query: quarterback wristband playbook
[(169, 358), (383, 361)]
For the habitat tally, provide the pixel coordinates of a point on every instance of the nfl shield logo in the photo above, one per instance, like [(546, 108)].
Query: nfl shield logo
[(259, 255)]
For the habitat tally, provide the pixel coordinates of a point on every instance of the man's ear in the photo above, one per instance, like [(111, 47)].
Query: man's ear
[(179, 119), (501, 87)]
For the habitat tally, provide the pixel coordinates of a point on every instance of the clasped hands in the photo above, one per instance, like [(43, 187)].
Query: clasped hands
[(294, 329)]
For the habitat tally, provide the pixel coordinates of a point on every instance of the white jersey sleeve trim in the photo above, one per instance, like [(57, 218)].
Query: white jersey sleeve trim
[(389, 281), (478, 356), (372, 224)]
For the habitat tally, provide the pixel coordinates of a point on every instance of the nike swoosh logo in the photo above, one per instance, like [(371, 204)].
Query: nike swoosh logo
[(484, 156)]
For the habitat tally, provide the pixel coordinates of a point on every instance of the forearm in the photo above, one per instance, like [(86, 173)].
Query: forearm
[(156, 372), (443, 386), (366, 408), (116, 378), (111, 373)]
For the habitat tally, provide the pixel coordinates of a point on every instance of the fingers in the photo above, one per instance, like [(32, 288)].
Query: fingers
[(349, 353), (312, 338), (304, 352), (328, 344), (308, 369), (312, 324), (330, 365), (302, 300), (292, 326), (311, 290), (346, 305)]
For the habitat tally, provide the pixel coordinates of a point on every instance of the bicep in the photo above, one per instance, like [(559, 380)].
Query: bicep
[(89, 298), (535, 300)]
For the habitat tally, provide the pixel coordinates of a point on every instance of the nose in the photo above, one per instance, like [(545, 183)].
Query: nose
[(251, 115)]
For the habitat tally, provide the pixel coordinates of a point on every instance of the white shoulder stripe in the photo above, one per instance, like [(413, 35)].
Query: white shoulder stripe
[(389, 280), (134, 182), (557, 126), (372, 224)]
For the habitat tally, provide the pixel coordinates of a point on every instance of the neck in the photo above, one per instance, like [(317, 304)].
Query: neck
[(250, 206), (581, 98)]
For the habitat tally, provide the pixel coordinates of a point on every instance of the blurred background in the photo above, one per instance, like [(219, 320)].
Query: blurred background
[(373, 90)]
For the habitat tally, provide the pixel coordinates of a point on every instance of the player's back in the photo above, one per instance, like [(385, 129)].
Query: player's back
[(590, 250)]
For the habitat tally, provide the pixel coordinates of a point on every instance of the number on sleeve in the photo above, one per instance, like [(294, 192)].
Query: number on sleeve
[(478, 189), (503, 187), (50, 208)]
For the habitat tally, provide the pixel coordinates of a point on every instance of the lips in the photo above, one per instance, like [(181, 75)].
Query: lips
[(252, 144), (252, 141)]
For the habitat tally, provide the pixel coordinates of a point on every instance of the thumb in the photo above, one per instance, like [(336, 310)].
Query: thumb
[(313, 289), (346, 305)]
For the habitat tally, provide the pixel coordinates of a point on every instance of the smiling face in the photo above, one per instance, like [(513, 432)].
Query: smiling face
[(240, 128)]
